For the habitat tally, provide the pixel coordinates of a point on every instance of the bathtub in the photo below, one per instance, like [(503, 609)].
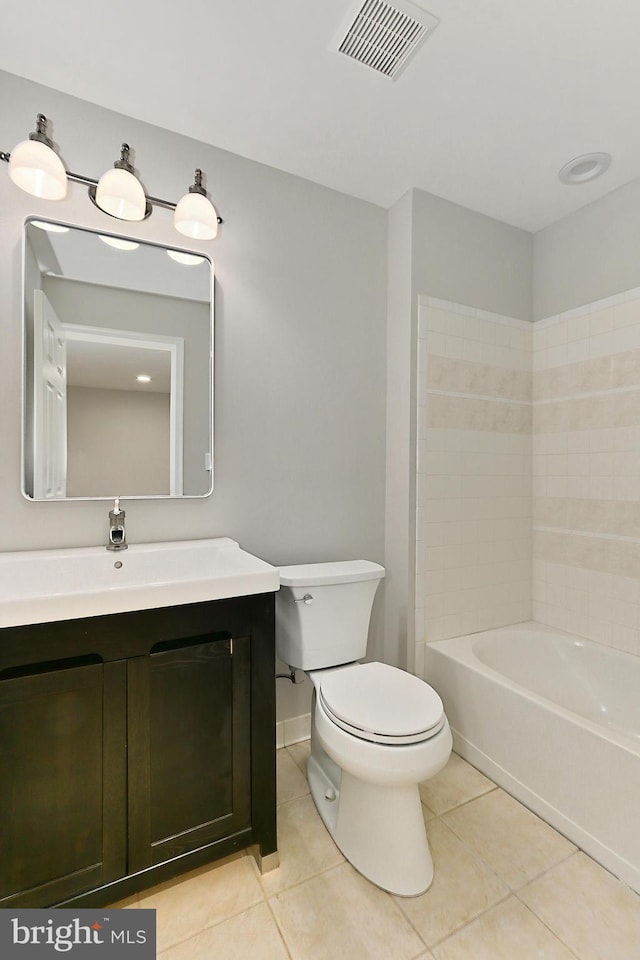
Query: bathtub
[(555, 721)]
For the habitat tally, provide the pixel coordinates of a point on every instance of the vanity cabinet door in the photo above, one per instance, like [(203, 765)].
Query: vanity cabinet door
[(62, 780), (189, 746)]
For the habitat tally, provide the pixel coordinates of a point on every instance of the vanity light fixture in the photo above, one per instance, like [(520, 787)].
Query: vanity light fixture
[(119, 192), (36, 168), (143, 378), (195, 215)]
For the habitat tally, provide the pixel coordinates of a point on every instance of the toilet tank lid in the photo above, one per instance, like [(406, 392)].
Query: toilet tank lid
[(341, 571)]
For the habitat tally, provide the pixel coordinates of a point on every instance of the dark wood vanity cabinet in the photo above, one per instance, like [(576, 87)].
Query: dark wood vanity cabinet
[(62, 779), (190, 754), (134, 747)]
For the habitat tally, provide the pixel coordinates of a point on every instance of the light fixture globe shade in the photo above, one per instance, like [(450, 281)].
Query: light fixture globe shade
[(120, 194), (196, 217), (38, 170)]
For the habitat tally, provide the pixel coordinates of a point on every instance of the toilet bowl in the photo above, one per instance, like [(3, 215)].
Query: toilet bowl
[(376, 731), (366, 790)]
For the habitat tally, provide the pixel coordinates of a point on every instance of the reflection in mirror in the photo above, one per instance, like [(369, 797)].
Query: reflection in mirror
[(118, 377)]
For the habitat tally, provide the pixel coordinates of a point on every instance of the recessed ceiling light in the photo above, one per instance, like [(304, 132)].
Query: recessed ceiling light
[(584, 168), (189, 259), (143, 378), (50, 227), (119, 243)]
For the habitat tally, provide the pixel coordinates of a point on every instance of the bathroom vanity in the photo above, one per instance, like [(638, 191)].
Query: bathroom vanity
[(139, 744)]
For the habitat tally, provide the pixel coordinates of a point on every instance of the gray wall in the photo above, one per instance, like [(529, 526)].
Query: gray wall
[(588, 255), (116, 440), (300, 313), (466, 257), (442, 250), (398, 587)]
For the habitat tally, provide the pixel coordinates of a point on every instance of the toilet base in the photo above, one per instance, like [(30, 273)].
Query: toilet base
[(379, 829)]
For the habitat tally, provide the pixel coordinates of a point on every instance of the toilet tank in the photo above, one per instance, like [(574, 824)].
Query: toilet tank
[(331, 625)]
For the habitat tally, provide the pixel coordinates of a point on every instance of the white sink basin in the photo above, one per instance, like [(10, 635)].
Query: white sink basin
[(38, 586)]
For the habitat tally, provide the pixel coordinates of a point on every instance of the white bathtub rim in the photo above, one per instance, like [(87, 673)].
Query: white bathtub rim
[(604, 855), (461, 649)]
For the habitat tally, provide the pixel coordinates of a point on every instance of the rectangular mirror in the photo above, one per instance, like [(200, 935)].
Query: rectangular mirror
[(118, 367)]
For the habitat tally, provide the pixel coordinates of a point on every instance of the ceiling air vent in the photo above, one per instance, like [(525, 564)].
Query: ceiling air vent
[(384, 36)]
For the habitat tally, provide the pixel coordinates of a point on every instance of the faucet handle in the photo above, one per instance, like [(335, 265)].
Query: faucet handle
[(117, 539)]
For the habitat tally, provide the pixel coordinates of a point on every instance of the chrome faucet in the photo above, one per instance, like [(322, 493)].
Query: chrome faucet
[(117, 534)]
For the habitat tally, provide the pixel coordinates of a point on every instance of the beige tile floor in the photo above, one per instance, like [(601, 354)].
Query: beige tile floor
[(506, 886)]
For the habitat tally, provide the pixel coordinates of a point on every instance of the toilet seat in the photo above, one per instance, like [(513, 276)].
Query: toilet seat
[(380, 703)]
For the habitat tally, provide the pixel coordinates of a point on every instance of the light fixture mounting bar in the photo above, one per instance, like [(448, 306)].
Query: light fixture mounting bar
[(91, 183)]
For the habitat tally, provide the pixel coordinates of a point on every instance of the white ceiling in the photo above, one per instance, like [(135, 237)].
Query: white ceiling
[(81, 255), (499, 97), (110, 367)]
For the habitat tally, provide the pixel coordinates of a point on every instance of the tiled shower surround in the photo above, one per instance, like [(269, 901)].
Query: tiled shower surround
[(473, 497), (515, 421), (586, 465)]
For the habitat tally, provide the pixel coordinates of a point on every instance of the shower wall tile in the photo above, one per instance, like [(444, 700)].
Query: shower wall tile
[(586, 471), (528, 453), (453, 412), (474, 479)]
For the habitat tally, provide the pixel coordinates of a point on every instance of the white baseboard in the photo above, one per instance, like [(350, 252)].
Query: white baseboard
[(293, 730)]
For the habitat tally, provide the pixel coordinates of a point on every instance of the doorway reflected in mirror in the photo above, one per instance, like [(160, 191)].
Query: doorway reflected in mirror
[(118, 374)]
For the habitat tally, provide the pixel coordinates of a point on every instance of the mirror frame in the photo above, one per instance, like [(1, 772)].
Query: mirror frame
[(25, 362)]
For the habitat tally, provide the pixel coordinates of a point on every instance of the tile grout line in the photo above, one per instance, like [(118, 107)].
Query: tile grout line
[(553, 932), (463, 803), (216, 923), (278, 928), (490, 867), (284, 803), (267, 900), (302, 880), (286, 890), (476, 916), (207, 926)]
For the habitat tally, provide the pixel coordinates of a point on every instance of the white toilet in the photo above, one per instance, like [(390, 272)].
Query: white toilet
[(376, 731)]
